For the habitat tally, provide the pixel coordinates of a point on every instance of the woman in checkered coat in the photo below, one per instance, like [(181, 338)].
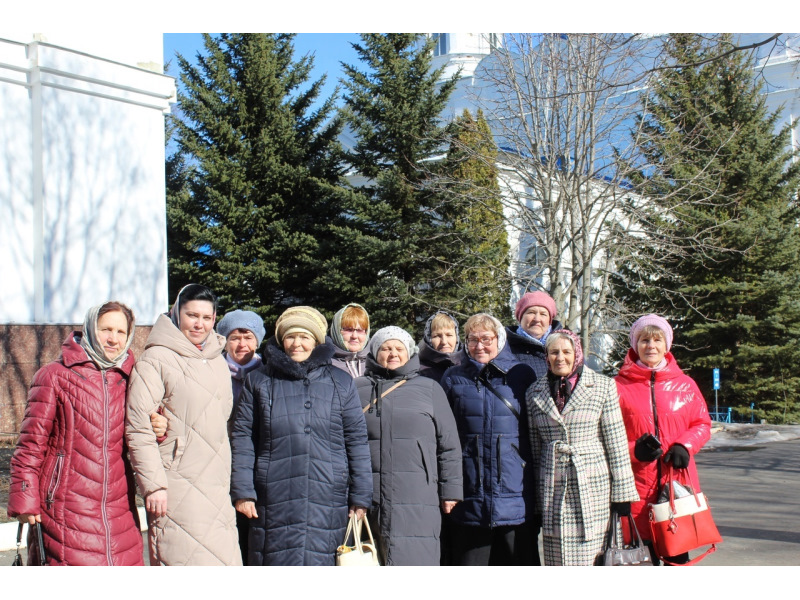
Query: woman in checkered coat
[(580, 452)]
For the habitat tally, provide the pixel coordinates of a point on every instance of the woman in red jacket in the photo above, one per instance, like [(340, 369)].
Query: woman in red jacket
[(69, 471), (666, 418)]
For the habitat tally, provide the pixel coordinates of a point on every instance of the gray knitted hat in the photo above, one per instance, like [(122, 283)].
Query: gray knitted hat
[(242, 319)]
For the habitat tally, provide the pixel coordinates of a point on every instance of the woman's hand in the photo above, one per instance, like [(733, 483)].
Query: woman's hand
[(246, 507), (156, 503), (678, 455), (448, 505), (359, 511), (159, 424), (29, 518)]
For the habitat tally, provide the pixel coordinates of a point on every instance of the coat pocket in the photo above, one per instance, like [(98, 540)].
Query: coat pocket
[(55, 480), (472, 464), (425, 464), (511, 466), (171, 453)]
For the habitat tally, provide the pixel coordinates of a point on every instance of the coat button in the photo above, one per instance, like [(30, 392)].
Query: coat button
[(307, 429), (308, 404)]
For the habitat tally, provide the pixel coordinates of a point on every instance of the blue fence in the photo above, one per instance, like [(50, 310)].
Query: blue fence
[(726, 415)]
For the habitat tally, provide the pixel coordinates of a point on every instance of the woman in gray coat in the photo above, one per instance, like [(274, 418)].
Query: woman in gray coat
[(580, 449), (416, 455)]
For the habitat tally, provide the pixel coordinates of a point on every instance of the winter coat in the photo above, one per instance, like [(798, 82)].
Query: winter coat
[(682, 419), (349, 362), (300, 451), (70, 463), (497, 470), (416, 461), (193, 462), (582, 466), (527, 351), (433, 364)]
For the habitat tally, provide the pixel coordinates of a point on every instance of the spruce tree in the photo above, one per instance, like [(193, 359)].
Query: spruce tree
[(392, 104), (472, 273), (723, 186), (254, 186)]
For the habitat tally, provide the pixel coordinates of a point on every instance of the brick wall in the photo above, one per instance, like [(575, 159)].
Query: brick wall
[(23, 350)]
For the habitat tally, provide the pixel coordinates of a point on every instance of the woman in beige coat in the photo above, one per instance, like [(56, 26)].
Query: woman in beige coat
[(185, 479)]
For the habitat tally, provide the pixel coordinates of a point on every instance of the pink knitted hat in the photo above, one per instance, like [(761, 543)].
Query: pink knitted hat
[(651, 319), (535, 299)]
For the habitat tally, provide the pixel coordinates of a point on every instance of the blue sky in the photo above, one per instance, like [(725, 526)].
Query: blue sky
[(329, 49)]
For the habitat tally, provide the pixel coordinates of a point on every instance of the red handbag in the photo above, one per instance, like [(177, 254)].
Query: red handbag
[(683, 524)]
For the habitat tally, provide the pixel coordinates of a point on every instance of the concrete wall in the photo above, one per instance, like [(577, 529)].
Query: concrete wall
[(82, 189)]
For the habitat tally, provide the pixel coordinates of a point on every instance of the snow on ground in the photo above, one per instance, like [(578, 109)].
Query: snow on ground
[(726, 435)]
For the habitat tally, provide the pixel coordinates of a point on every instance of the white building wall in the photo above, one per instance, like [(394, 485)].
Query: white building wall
[(82, 177)]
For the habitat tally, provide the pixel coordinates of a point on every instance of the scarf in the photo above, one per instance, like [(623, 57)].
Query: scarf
[(540, 340), (561, 388), (336, 330), (175, 316), (659, 367), (94, 349)]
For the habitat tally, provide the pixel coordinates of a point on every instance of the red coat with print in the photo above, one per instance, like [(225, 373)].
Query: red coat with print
[(682, 419), (70, 462)]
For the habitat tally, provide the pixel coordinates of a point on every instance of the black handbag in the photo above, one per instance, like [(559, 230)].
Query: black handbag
[(634, 555), (36, 553), (18, 558)]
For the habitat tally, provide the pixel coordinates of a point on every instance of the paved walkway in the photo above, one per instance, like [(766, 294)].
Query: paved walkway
[(753, 492)]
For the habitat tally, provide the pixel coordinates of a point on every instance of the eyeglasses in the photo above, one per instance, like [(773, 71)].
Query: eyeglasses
[(484, 341), (357, 331)]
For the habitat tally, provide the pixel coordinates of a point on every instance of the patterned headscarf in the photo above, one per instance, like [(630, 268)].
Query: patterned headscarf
[(561, 387)]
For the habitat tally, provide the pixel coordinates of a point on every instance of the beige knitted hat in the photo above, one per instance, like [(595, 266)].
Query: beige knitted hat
[(301, 318)]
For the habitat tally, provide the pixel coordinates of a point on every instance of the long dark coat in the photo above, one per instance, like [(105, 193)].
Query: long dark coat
[(300, 450), (416, 461)]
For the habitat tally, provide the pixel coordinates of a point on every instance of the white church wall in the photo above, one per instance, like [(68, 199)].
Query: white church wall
[(89, 208)]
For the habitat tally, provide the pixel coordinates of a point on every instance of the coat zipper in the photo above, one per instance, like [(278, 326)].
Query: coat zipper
[(655, 423), (103, 507), (499, 460), (55, 479), (480, 463)]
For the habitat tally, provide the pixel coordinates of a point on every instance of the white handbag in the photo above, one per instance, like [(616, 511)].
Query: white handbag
[(361, 554)]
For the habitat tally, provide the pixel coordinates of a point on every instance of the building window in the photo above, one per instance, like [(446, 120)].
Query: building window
[(441, 44), (494, 41)]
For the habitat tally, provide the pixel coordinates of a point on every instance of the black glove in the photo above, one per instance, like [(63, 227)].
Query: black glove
[(678, 455), (623, 509), (647, 448)]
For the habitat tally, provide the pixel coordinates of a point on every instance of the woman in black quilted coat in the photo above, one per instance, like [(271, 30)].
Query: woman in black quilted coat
[(300, 453), (416, 455)]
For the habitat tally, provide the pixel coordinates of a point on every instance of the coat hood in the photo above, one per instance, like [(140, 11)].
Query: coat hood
[(164, 333), (408, 370)]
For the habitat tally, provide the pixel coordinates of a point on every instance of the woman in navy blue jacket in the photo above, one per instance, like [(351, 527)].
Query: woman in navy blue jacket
[(300, 452), (493, 524)]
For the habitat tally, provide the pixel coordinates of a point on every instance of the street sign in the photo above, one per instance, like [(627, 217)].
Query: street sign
[(716, 379)]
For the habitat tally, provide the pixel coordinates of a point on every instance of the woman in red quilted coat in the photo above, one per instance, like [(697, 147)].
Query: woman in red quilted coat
[(69, 470), (666, 418)]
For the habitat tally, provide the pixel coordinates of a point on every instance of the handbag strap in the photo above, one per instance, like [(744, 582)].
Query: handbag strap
[(365, 521), (354, 527), (383, 395), (505, 400)]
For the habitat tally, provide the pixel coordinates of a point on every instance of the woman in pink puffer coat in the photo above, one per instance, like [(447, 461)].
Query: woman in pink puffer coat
[(666, 418)]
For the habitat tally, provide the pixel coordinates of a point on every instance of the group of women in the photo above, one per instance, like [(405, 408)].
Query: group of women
[(457, 450)]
